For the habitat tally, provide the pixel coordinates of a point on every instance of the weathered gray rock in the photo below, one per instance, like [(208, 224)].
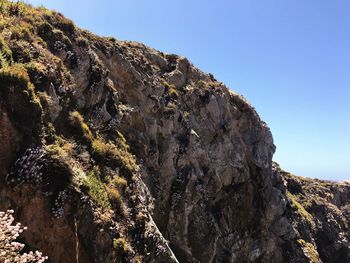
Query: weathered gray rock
[(205, 188)]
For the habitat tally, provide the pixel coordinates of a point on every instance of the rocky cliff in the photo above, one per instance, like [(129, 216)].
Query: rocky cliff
[(111, 151)]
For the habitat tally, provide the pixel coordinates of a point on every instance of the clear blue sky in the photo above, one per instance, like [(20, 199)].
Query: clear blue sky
[(289, 58)]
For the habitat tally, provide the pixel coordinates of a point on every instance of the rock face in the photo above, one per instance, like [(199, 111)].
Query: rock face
[(111, 151)]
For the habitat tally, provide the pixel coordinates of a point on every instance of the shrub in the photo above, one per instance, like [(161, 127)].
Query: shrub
[(97, 190), (10, 250), (77, 121)]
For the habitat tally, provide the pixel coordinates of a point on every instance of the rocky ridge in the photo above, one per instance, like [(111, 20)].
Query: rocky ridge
[(112, 151)]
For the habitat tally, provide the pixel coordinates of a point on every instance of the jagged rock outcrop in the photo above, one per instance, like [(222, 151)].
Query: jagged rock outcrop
[(140, 157)]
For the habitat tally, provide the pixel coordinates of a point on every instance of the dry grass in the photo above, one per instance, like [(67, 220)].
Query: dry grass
[(77, 121)]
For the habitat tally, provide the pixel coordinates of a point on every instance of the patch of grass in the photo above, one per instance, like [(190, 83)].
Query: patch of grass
[(97, 190), (119, 182), (207, 84), (118, 156), (36, 70), (3, 60), (22, 31), (301, 210), (62, 149), (5, 51), (77, 121), (310, 251), (59, 35), (13, 8), (122, 141), (82, 42), (116, 199), (171, 89), (44, 29), (173, 93), (120, 245), (100, 148), (15, 74), (63, 23)]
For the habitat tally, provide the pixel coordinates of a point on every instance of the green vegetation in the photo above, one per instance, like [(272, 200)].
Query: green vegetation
[(118, 156), (63, 23), (310, 251), (15, 74), (22, 31), (116, 199), (3, 60), (97, 190), (173, 93), (114, 189), (119, 182), (301, 210), (171, 89), (122, 141), (77, 122), (82, 42), (120, 245), (62, 149), (17, 8), (5, 53), (206, 85)]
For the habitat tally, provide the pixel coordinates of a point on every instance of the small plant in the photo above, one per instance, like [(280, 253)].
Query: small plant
[(122, 141), (5, 50), (116, 199), (301, 210), (17, 9), (3, 60), (15, 75), (118, 156), (63, 23), (97, 190), (120, 245), (82, 42), (77, 121), (21, 31), (310, 250), (119, 182), (10, 249), (186, 115), (28, 168), (173, 93), (100, 148)]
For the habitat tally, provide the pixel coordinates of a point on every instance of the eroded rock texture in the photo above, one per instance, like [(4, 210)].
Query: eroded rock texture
[(146, 158)]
